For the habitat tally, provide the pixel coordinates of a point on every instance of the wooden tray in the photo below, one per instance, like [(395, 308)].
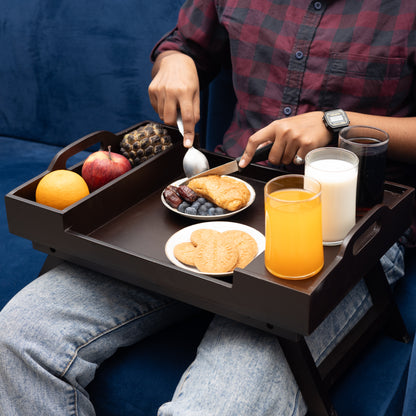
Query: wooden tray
[(121, 230)]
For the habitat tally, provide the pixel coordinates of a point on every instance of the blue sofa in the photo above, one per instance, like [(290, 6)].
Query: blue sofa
[(69, 68)]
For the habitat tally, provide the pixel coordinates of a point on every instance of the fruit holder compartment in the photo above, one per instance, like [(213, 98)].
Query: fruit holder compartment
[(121, 230)]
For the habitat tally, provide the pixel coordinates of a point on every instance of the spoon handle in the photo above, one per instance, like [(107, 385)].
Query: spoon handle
[(179, 123)]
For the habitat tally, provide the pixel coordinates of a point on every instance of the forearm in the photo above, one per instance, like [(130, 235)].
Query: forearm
[(402, 132), (302, 133)]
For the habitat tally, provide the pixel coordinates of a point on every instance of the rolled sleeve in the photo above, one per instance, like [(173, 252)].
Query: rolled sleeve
[(199, 35)]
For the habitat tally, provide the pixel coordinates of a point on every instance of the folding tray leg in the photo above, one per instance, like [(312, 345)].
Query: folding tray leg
[(49, 264), (307, 376), (383, 300)]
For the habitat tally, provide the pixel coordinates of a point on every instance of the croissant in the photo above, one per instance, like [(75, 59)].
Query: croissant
[(226, 192)]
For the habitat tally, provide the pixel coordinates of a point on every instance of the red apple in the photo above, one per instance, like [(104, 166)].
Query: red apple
[(102, 167)]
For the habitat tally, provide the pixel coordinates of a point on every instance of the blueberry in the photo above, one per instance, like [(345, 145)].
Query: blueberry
[(196, 205), (209, 204), (201, 200), (182, 207), (203, 210), (191, 211), (211, 211), (219, 211)]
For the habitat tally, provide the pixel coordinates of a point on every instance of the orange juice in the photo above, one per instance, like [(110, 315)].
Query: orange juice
[(294, 247)]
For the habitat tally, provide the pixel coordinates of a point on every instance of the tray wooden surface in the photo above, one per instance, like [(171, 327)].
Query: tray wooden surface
[(121, 230)]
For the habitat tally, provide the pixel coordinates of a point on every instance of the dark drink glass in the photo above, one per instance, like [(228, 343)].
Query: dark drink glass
[(370, 145)]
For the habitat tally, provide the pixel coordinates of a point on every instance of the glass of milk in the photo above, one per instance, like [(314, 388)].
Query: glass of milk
[(337, 170)]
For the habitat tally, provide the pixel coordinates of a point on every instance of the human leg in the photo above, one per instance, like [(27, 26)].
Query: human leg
[(242, 371), (57, 330)]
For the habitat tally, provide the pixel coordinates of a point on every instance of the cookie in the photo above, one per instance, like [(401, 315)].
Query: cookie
[(246, 246), (185, 253), (216, 255), (202, 235)]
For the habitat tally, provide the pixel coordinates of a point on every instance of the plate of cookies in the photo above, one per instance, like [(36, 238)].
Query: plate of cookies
[(215, 248), (208, 198)]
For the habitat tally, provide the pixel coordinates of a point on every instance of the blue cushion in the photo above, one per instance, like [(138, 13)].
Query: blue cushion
[(215, 119), (375, 385), (409, 408), (73, 67)]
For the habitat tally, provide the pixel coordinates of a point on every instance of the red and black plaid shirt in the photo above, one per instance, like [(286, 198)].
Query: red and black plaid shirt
[(293, 56)]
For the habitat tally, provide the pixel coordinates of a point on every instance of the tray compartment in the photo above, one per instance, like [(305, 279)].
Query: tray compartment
[(27, 218)]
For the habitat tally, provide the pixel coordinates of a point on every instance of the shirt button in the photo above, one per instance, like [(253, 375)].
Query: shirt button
[(287, 111), (299, 55), (317, 5)]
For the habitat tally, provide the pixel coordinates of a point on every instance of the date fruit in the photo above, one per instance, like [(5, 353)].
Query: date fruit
[(172, 197), (187, 194), (186, 201)]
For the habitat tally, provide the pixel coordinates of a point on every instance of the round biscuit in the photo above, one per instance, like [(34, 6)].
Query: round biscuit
[(246, 246), (203, 234), (216, 255), (185, 253)]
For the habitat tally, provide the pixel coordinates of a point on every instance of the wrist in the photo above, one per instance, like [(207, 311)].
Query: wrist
[(160, 58), (335, 121)]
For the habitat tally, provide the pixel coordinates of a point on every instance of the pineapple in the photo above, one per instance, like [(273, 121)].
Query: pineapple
[(143, 143)]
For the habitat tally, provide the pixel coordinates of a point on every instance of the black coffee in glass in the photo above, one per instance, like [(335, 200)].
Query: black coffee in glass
[(370, 145), (371, 173)]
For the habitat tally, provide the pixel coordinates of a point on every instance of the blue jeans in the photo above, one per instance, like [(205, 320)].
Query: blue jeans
[(59, 329)]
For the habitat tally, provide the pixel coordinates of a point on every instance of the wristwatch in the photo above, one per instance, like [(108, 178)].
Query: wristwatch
[(334, 121)]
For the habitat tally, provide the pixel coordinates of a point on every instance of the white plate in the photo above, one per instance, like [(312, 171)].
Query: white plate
[(211, 217), (185, 235)]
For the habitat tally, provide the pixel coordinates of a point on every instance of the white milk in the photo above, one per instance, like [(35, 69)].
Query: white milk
[(338, 179)]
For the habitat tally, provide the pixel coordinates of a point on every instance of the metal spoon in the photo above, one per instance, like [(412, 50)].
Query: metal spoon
[(194, 161)]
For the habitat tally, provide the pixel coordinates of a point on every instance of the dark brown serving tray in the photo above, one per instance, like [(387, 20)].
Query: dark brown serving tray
[(121, 230)]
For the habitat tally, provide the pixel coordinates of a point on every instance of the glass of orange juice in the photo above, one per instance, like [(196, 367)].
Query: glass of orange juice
[(294, 248)]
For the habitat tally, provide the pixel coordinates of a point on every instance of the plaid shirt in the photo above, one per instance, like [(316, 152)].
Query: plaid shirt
[(293, 56)]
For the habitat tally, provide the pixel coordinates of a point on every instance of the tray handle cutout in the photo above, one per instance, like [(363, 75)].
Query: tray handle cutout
[(367, 233), (104, 137)]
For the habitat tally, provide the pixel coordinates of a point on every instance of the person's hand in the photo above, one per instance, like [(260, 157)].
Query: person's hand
[(175, 85), (294, 136)]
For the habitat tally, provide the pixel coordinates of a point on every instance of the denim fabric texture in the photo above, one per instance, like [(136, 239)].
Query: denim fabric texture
[(61, 327)]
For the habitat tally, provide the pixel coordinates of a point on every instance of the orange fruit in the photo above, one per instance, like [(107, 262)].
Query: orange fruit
[(61, 188)]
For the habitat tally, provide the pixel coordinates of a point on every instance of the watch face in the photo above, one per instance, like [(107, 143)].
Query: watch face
[(336, 119)]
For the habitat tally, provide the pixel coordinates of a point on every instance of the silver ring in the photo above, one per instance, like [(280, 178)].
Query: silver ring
[(297, 160)]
